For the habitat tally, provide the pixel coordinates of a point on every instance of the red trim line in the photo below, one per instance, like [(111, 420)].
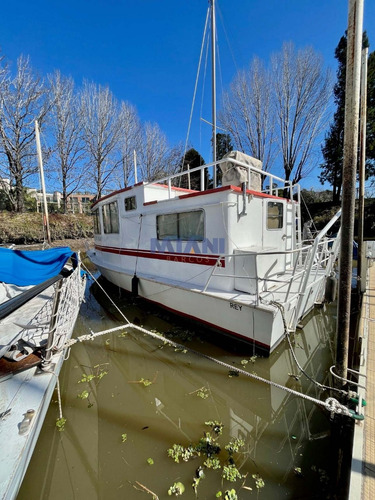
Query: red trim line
[(187, 258), (117, 192), (149, 203), (261, 345), (236, 189), (175, 188)]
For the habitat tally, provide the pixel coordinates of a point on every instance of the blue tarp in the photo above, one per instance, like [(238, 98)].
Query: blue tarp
[(31, 267)]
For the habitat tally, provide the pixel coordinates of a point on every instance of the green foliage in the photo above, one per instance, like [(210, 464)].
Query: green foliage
[(331, 168), (209, 447), (124, 437), (60, 424), (259, 483), (231, 495), (97, 373), (177, 489), (150, 461), (231, 473)]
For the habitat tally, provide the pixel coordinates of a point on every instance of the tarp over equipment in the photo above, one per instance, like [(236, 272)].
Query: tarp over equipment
[(31, 267)]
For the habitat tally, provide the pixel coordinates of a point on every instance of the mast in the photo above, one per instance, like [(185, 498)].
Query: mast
[(213, 66), (40, 161)]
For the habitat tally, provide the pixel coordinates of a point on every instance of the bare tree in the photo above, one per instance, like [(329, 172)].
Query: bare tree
[(23, 99), (302, 89), (246, 113), (156, 158), (101, 132), (66, 128), (130, 141)]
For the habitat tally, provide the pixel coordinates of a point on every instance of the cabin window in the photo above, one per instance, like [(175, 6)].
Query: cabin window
[(96, 222), (110, 218), (275, 215), (130, 203), (181, 226)]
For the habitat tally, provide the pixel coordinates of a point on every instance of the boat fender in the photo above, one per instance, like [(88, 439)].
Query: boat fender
[(331, 289), (135, 281)]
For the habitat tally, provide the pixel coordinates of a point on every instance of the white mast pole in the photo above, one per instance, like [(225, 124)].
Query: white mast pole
[(135, 168), (213, 56), (40, 161)]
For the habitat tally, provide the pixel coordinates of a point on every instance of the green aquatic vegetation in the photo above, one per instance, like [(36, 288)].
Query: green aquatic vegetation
[(202, 392), (259, 483), (150, 461), (216, 426), (97, 373), (177, 489), (244, 362), (124, 437), (231, 473), (86, 378), (84, 395), (233, 373), (231, 495), (60, 424), (234, 446), (178, 452), (209, 447), (144, 381)]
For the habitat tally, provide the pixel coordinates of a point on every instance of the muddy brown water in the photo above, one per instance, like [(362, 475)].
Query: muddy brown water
[(119, 427)]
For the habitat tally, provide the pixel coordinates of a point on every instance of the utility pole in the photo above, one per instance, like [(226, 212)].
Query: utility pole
[(40, 161), (213, 78), (361, 266), (352, 89)]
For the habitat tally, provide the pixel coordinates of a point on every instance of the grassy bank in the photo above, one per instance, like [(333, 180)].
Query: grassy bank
[(27, 228)]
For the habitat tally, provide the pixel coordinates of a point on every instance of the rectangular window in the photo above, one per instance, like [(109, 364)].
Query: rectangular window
[(275, 215), (130, 203), (96, 222), (110, 218), (181, 226)]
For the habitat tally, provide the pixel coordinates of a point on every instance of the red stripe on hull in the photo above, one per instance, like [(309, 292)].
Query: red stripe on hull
[(187, 258)]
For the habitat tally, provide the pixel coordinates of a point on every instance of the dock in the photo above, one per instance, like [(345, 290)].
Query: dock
[(362, 481)]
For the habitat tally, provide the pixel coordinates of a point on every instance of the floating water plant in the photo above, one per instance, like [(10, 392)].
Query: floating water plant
[(209, 447), (97, 373), (144, 381), (124, 437), (202, 392), (259, 483), (177, 489), (150, 461), (60, 424)]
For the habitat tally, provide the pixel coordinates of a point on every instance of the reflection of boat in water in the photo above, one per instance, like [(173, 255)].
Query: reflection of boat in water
[(41, 297), (281, 432)]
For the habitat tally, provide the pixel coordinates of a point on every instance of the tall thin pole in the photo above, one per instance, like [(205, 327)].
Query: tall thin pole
[(40, 162), (213, 62), (353, 71), (361, 267), (135, 167)]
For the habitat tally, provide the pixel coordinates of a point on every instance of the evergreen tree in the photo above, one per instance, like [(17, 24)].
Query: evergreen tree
[(192, 159), (223, 145), (331, 168)]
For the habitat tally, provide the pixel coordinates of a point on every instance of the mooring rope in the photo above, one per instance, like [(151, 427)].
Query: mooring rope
[(332, 405)]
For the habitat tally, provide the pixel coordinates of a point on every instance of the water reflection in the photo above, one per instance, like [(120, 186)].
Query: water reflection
[(110, 434)]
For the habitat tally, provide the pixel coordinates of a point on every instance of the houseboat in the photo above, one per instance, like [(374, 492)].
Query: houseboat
[(231, 257)]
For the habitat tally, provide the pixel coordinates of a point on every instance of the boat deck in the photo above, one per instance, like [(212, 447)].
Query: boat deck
[(37, 309), (362, 483)]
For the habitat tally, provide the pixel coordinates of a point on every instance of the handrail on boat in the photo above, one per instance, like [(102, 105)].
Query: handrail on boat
[(273, 190)]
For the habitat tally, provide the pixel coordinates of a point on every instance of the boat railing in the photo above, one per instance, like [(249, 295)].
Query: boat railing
[(310, 263), (275, 186)]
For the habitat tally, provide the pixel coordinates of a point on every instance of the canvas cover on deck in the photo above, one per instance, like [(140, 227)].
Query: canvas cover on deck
[(235, 175), (31, 267)]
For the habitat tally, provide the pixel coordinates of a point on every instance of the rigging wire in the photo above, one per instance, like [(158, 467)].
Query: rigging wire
[(196, 84)]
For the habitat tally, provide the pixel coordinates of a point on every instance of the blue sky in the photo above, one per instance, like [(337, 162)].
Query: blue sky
[(147, 50)]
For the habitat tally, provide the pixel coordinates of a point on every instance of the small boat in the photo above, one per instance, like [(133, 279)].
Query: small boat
[(231, 257), (40, 296)]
